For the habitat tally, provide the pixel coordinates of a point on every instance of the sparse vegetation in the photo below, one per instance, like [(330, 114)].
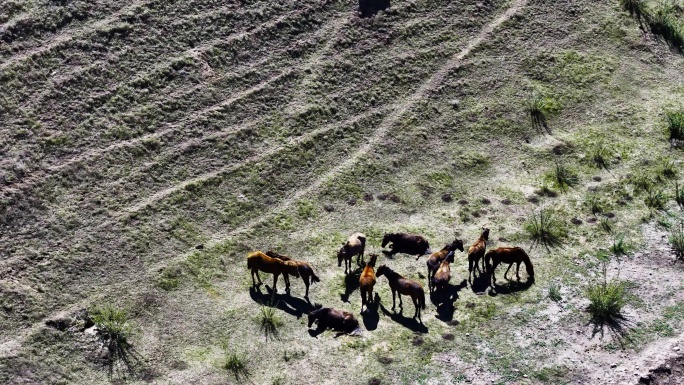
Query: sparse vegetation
[(562, 177), (593, 202), (637, 8), (655, 199), (679, 195), (554, 292), (539, 108), (270, 322), (236, 364), (668, 168), (677, 240), (606, 225), (619, 247), (664, 21), (545, 229), (114, 330), (675, 125), (607, 298), (600, 154)]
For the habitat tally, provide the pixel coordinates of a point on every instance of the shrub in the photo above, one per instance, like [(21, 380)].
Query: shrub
[(543, 228), (236, 364), (562, 177), (619, 246), (642, 182), (606, 300), (664, 22), (594, 204), (539, 108), (668, 169), (269, 323), (114, 331), (655, 199), (600, 154), (677, 241), (606, 225), (679, 196), (675, 126), (554, 292)]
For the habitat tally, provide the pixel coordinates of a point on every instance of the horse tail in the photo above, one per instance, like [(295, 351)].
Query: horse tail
[(314, 277)]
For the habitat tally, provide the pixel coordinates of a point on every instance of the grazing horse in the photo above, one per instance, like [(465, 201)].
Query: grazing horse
[(406, 243), (442, 276), (436, 258), (305, 270), (258, 261), (339, 320), (404, 286), (477, 252), (355, 245), (509, 255), (367, 281)]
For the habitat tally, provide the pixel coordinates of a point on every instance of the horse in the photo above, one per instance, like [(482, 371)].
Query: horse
[(442, 276), (436, 258), (355, 245), (305, 270), (339, 320), (367, 281), (404, 286), (258, 261), (406, 243), (477, 252), (509, 255)]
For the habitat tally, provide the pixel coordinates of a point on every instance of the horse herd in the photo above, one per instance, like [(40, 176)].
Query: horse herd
[(438, 268)]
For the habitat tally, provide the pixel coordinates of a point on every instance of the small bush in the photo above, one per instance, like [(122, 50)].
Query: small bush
[(270, 323), (606, 301), (554, 292), (619, 247), (114, 331), (545, 229), (664, 22), (562, 177), (675, 125), (642, 182), (600, 154), (280, 380), (655, 199), (679, 196), (593, 202), (539, 108), (606, 225), (677, 241), (668, 169), (236, 364)]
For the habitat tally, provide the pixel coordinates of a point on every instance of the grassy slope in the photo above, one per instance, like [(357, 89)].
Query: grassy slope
[(131, 141)]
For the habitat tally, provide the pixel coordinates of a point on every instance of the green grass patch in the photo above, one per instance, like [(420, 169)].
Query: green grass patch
[(675, 125), (562, 177), (606, 300), (114, 331), (269, 322), (545, 229)]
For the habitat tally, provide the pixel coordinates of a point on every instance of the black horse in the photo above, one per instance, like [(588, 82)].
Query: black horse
[(406, 243)]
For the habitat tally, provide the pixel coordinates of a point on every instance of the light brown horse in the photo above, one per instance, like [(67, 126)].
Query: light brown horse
[(355, 245), (477, 252), (305, 270), (367, 281), (258, 261), (509, 255), (404, 286), (442, 276), (436, 258)]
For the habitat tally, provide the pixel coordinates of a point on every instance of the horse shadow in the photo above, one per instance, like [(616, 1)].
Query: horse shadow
[(285, 302), (480, 282), (445, 309), (351, 283), (511, 287), (369, 8), (409, 323), (371, 317)]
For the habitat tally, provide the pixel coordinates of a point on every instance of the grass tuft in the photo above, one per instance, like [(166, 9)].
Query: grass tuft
[(269, 322), (675, 125), (668, 169), (114, 331), (655, 199), (543, 228), (606, 225), (679, 196), (677, 241), (562, 177), (539, 108), (554, 292), (606, 300), (593, 202), (236, 364), (600, 154), (619, 247)]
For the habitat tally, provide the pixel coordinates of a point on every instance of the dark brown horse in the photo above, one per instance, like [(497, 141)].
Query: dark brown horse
[(442, 276), (406, 243), (436, 258), (477, 252), (509, 255), (258, 261), (367, 281), (355, 245), (339, 320), (404, 286), (305, 270)]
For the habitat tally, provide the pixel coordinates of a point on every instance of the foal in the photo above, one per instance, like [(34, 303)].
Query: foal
[(477, 252), (509, 255), (435, 259), (367, 281), (258, 261), (355, 245), (305, 270), (404, 286)]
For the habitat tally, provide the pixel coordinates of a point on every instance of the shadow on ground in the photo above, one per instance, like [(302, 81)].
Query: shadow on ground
[(407, 322), (445, 302), (285, 302)]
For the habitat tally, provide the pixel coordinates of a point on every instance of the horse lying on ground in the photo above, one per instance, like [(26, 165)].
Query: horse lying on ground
[(355, 245), (404, 286), (339, 320), (406, 243), (258, 261), (305, 271), (509, 255), (436, 258), (477, 252), (367, 281)]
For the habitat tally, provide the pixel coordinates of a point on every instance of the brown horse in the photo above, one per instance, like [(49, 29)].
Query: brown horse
[(442, 276), (477, 252), (436, 258), (334, 319), (367, 281), (305, 270), (258, 261), (404, 286), (355, 245), (509, 255), (406, 243)]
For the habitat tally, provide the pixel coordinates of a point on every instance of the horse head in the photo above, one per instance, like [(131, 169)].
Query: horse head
[(382, 270), (387, 239), (485, 233), (315, 314), (450, 256), (342, 254), (457, 244), (373, 259)]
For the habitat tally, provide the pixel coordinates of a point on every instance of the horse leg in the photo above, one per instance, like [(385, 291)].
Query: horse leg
[(517, 271), (470, 269), (394, 304), (286, 277), (253, 281), (363, 298), (484, 265), (306, 283), (494, 265), (506, 273)]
